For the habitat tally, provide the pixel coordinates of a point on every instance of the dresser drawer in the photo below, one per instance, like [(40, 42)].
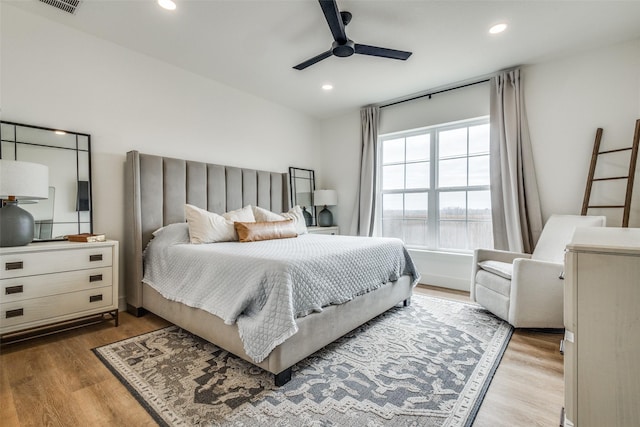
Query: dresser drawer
[(22, 288), (21, 314), (53, 261)]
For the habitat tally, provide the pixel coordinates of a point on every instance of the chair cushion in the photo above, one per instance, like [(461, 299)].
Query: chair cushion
[(494, 282), (502, 269), (493, 301)]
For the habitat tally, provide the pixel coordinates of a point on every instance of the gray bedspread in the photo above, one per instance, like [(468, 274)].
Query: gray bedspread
[(264, 286)]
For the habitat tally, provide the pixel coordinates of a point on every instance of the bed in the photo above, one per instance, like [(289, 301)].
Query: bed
[(157, 188)]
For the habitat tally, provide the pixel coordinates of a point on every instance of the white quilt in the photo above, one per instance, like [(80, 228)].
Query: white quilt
[(263, 286)]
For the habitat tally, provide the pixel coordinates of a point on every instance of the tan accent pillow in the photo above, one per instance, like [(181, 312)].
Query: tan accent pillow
[(267, 230)]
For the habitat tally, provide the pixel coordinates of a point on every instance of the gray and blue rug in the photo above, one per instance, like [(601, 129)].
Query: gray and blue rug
[(428, 364)]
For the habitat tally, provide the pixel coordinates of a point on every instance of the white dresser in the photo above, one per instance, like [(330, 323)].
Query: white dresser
[(42, 284), (334, 230), (602, 320)]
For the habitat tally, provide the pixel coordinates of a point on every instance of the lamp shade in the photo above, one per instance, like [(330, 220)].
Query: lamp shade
[(325, 198), (23, 180)]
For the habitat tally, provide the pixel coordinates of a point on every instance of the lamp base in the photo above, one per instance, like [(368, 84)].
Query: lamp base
[(16, 225), (325, 218), (308, 219)]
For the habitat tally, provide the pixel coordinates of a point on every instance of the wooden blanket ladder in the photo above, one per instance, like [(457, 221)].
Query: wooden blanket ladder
[(632, 168)]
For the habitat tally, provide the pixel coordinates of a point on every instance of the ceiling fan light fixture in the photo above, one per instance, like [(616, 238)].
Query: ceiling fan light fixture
[(343, 50), (498, 28), (167, 4), (342, 46)]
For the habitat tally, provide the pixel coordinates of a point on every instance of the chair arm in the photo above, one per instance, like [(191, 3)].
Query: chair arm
[(480, 255), (537, 294)]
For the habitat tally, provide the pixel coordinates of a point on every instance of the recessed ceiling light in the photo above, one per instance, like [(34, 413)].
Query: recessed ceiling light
[(167, 4), (498, 28), (60, 132), (327, 86)]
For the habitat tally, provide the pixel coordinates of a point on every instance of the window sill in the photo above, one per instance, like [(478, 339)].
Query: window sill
[(451, 252)]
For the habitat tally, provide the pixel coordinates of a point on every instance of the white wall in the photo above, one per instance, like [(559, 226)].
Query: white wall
[(566, 100), (54, 76)]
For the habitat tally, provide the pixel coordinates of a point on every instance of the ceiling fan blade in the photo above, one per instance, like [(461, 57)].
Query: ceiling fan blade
[(332, 15), (313, 60), (364, 49)]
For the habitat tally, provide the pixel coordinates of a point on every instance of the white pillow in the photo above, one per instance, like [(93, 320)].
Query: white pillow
[(208, 227), (178, 232), (240, 215), (295, 213), (263, 215)]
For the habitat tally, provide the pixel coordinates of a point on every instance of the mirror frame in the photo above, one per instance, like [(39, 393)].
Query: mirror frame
[(292, 187), (77, 149)]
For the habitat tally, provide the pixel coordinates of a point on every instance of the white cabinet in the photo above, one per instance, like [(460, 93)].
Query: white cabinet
[(43, 284), (602, 321), (334, 230)]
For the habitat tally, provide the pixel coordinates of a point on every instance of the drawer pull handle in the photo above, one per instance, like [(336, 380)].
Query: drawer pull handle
[(94, 298), (18, 289), (95, 278), (14, 313), (16, 265), (95, 257)]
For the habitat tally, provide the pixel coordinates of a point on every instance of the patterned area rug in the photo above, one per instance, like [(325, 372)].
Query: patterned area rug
[(428, 364)]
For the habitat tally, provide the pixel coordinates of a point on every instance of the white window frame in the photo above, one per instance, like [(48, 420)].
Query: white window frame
[(433, 210)]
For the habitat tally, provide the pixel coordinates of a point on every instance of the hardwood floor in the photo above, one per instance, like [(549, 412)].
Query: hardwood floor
[(58, 381)]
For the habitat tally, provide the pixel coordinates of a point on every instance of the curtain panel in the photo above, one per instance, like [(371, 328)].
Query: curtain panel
[(364, 212), (515, 202)]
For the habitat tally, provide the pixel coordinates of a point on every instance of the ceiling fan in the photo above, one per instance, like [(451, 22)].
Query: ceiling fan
[(342, 46)]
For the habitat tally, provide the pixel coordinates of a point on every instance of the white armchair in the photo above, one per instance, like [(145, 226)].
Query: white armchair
[(526, 290)]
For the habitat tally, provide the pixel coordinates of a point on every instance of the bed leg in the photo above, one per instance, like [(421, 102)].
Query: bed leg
[(136, 311), (283, 377), (407, 302)]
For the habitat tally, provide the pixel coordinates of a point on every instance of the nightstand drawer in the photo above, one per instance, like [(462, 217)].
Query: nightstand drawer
[(21, 288), (21, 314), (43, 262), (332, 230)]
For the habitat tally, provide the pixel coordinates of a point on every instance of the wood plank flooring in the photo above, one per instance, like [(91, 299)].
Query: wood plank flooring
[(58, 381)]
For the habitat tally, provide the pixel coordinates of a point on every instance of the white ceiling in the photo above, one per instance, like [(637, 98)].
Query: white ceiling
[(253, 45)]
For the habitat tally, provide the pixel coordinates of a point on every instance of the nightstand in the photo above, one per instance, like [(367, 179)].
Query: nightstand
[(333, 230), (46, 286)]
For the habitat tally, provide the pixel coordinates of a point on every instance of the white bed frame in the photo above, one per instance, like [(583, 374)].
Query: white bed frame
[(157, 189)]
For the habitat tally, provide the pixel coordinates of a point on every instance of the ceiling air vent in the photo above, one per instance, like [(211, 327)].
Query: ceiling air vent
[(68, 6)]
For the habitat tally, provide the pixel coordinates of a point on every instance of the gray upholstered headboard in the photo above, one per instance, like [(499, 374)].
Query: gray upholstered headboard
[(158, 187)]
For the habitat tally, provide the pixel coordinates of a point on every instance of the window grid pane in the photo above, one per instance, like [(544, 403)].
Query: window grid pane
[(460, 213)]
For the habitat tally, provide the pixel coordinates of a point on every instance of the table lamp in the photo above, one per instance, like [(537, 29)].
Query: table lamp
[(325, 198), (20, 180)]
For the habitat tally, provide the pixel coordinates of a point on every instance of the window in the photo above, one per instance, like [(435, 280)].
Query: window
[(433, 189)]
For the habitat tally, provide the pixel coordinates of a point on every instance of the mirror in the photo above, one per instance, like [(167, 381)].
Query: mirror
[(303, 183), (68, 209)]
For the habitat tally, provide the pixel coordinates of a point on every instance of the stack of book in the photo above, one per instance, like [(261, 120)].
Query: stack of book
[(86, 237)]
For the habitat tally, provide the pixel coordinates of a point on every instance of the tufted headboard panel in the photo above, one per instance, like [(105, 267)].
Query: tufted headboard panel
[(158, 187)]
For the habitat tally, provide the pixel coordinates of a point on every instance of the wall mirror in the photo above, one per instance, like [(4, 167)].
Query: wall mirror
[(303, 183), (68, 210)]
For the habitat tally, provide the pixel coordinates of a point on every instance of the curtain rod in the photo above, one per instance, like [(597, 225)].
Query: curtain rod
[(434, 93)]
